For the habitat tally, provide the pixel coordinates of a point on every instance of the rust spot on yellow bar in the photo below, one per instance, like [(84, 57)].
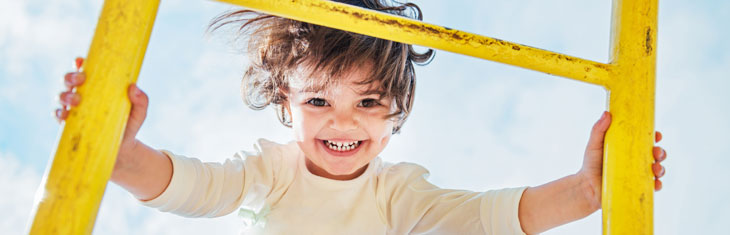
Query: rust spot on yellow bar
[(75, 142), (648, 42), (602, 66), (360, 15), (641, 198)]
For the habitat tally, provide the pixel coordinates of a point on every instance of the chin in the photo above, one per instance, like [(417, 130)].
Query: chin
[(341, 170)]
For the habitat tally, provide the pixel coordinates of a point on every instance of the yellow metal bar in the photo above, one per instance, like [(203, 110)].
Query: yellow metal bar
[(75, 182), (628, 181), (405, 30)]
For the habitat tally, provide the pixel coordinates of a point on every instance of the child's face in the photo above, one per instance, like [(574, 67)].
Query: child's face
[(342, 128)]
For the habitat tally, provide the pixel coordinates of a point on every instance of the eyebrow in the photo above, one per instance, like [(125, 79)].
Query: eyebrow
[(370, 92), (313, 88), (319, 89)]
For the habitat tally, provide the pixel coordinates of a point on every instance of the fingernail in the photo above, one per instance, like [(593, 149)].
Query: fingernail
[(79, 62)]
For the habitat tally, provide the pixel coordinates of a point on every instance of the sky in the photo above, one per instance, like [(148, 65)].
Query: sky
[(476, 124)]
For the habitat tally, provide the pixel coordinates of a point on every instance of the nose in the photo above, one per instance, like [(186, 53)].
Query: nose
[(344, 120)]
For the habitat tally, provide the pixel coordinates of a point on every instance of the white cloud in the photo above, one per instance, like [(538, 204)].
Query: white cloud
[(120, 213), (18, 184), (42, 33)]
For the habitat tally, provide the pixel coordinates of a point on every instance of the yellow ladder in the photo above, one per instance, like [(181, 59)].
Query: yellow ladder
[(84, 159)]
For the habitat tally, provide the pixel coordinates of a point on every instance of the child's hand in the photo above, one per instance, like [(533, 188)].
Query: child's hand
[(579, 195), (139, 100), (143, 171), (593, 160)]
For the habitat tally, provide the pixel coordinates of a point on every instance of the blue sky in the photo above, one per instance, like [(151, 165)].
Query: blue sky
[(476, 124)]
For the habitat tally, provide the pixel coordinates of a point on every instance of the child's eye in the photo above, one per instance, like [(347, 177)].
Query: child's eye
[(369, 103), (317, 102)]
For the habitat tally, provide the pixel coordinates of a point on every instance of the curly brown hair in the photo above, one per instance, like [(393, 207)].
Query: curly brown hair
[(278, 46)]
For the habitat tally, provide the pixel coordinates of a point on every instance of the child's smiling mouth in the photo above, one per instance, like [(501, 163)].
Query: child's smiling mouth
[(342, 148)]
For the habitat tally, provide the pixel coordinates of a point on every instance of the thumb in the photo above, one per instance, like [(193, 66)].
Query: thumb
[(138, 113), (599, 132)]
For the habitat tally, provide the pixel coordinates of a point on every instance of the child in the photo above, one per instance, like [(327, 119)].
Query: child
[(343, 95)]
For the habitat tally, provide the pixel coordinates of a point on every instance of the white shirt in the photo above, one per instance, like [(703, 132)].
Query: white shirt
[(278, 195)]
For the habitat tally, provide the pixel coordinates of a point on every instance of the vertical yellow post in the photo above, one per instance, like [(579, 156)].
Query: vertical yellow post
[(75, 182), (628, 185)]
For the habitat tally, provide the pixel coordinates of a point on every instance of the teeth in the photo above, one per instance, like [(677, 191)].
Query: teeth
[(342, 146)]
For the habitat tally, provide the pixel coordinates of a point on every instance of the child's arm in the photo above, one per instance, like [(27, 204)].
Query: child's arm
[(575, 196), (141, 170), (145, 172), (556, 203)]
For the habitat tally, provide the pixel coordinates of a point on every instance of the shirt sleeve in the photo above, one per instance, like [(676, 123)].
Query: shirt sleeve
[(199, 189), (412, 205)]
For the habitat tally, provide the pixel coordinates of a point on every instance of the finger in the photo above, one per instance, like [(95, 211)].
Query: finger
[(657, 136), (658, 170), (657, 185), (659, 154), (61, 114), (74, 79), (138, 113), (599, 132), (69, 98)]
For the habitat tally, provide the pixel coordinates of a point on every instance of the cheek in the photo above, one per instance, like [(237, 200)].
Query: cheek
[(380, 129), (298, 123), (305, 124)]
